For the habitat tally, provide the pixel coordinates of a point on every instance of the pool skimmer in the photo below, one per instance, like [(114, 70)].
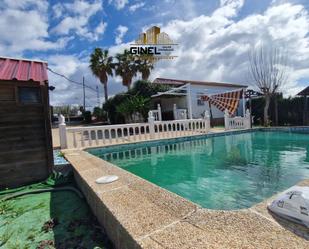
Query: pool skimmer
[(107, 179)]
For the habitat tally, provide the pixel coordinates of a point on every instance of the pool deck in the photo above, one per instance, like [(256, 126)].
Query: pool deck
[(138, 214)]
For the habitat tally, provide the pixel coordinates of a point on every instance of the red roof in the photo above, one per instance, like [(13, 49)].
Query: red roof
[(23, 70)]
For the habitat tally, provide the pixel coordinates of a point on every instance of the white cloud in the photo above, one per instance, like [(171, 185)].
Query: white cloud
[(77, 22), (58, 10), (215, 47), (119, 4), (228, 8), (120, 33), (136, 6), (24, 26), (25, 4), (100, 29)]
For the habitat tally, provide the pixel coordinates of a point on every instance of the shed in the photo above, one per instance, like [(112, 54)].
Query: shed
[(25, 131)]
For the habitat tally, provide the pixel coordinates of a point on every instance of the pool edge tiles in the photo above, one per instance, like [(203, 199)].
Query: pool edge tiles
[(130, 208), (138, 214)]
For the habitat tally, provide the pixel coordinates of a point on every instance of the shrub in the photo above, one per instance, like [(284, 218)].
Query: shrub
[(290, 110), (87, 117), (137, 97)]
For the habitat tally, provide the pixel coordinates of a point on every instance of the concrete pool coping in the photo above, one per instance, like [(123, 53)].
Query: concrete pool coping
[(139, 214)]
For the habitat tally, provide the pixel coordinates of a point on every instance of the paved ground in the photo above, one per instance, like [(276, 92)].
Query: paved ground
[(139, 214)]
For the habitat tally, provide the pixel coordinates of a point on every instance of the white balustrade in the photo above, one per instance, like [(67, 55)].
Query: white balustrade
[(237, 122), (77, 137), (157, 114), (179, 113), (62, 132)]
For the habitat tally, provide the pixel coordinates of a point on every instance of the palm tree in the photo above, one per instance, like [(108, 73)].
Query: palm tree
[(101, 65), (144, 66), (126, 67)]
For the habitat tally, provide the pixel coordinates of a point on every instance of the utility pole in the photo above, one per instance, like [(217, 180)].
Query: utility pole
[(84, 94), (98, 96)]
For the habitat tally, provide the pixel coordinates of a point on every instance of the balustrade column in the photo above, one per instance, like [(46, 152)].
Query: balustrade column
[(151, 125), (226, 120), (62, 132)]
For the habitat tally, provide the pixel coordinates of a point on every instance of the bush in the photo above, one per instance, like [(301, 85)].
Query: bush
[(87, 117), (134, 108), (138, 96), (99, 114), (110, 107), (290, 110)]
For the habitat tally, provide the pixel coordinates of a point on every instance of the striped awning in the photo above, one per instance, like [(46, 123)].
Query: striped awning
[(225, 101)]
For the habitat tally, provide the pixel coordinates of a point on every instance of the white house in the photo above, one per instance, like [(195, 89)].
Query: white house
[(183, 100)]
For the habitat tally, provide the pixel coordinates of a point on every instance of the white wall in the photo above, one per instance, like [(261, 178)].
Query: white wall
[(168, 103)]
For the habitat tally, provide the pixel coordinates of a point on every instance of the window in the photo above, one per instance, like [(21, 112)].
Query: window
[(29, 95), (198, 97), (200, 102)]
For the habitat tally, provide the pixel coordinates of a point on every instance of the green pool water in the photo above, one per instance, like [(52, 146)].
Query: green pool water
[(223, 172)]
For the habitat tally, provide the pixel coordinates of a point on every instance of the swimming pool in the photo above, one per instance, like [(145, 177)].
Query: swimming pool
[(221, 172)]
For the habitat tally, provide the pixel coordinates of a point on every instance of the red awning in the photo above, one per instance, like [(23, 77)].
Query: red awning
[(225, 101), (23, 70)]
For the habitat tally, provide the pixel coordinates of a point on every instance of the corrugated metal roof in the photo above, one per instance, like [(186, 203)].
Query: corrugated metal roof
[(23, 70)]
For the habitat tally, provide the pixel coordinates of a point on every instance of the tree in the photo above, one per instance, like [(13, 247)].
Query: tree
[(133, 108), (126, 67), (140, 88), (99, 113), (101, 65), (147, 89), (144, 66), (268, 70)]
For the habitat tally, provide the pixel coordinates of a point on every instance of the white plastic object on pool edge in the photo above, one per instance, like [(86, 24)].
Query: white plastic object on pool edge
[(107, 179), (293, 204)]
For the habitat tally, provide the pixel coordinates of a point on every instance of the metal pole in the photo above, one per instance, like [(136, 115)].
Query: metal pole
[(250, 108), (243, 103), (189, 102), (98, 96), (305, 118), (84, 94)]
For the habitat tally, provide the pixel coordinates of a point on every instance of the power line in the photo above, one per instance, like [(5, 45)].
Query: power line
[(72, 81)]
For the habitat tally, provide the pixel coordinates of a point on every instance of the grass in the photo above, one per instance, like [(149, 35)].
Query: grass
[(48, 220)]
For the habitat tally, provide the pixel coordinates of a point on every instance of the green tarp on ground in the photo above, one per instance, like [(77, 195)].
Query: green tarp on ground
[(48, 220)]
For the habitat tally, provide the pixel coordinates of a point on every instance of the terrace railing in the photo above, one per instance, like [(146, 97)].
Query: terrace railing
[(82, 137), (157, 113), (179, 113), (237, 122)]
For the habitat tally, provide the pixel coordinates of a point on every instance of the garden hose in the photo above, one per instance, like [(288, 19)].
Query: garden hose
[(76, 191)]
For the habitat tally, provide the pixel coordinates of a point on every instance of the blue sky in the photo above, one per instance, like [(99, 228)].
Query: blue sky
[(214, 37)]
